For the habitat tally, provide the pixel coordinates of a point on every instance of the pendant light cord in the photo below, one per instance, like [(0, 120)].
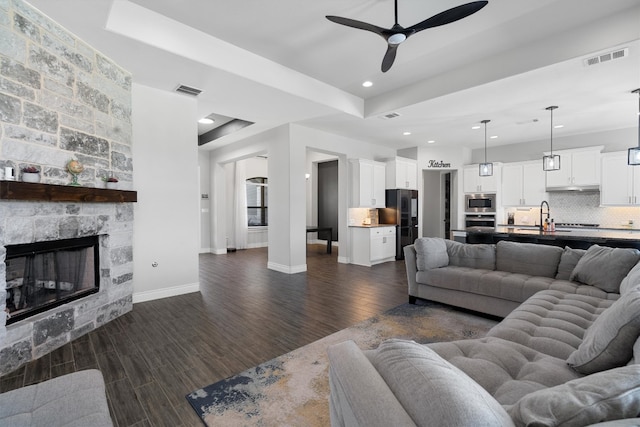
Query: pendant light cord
[(485, 139), (551, 108), (638, 92)]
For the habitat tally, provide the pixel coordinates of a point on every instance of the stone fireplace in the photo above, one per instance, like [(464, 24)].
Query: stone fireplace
[(60, 99)]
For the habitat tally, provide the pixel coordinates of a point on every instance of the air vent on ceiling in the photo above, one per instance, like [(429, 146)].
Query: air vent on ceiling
[(390, 116), (606, 57), (188, 90)]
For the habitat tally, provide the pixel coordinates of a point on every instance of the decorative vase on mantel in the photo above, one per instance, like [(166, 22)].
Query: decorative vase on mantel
[(75, 168)]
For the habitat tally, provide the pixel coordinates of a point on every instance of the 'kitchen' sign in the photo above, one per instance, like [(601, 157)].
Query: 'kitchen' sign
[(434, 164)]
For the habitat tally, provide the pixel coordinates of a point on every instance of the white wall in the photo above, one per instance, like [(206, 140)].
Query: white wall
[(166, 229)]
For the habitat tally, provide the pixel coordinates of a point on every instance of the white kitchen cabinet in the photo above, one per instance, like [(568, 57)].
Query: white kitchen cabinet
[(620, 184), (578, 168), (368, 184), (402, 173), (474, 183), (523, 184), (372, 245)]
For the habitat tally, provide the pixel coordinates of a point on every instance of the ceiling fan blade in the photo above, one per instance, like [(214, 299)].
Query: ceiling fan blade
[(389, 57), (449, 16), (356, 24)]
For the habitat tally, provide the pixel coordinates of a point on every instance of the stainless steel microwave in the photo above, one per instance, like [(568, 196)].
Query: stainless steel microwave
[(480, 203)]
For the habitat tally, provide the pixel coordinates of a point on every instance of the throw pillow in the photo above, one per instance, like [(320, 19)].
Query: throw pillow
[(568, 262), (608, 342), (431, 252), (432, 390), (604, 396), (473, 256), (631, 280), (604, 267)]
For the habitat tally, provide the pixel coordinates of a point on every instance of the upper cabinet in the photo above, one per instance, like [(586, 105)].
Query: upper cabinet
[(474, 183), (523, 184), (402, 173), (578, 169), (620, 185), (367, 184)]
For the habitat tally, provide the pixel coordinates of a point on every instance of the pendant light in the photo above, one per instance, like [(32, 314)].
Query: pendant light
[(551, 162), (486, 169), (633, 158)]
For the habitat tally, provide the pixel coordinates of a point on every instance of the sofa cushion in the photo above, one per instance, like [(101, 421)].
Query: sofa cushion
[(609, 341), (507, 370), (473, 256), (568, 262), (604, 396), (552, 322), (431, 252), (605, 267), (631, 280), (528, 258), (431, 389)]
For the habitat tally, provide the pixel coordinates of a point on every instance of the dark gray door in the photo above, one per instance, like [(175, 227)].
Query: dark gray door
[(328, 197)]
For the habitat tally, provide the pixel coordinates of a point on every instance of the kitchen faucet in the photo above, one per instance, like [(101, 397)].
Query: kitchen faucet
[(544, 202)]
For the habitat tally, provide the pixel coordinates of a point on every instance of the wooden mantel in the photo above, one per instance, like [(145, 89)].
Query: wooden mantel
[(17, 190)]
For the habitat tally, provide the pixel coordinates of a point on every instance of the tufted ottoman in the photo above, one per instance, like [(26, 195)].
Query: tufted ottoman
[(73, 400)]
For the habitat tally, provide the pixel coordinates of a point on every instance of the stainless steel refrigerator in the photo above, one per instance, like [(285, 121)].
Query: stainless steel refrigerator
[(401, 210)]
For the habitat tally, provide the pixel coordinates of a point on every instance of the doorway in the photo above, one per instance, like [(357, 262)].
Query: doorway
[(438, 203), (328, 197)]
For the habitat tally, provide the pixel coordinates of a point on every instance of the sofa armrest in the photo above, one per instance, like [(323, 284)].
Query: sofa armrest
[(359, 396), (412, 268)]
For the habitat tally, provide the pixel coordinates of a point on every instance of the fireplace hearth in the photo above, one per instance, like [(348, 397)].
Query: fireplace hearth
[(44, 275)]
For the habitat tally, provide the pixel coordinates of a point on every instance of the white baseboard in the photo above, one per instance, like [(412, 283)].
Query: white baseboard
[(205, 250), (343, 260), (287, 269), (257, 245), (219, 251), (165, 292)]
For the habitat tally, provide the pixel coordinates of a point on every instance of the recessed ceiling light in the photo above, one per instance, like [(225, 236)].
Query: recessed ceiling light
[(476, 127), (431, 141), (367, 84), (205, 121), (558, 126), (406, 133), (493, 137)]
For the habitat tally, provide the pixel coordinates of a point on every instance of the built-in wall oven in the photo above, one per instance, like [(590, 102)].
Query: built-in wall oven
[(480, 221), (480, 203)]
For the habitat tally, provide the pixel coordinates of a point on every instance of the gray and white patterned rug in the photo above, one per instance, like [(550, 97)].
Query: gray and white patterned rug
[(293, 389)]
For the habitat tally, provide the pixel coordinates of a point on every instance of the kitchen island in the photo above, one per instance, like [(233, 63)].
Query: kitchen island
[(577, 238)]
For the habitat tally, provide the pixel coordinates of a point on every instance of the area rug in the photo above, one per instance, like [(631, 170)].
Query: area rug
[(293, 389)]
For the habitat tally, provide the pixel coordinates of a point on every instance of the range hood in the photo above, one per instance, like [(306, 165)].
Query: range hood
[(590, 188)]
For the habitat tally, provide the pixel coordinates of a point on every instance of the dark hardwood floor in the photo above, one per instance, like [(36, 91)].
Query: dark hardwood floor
[(244, 315)]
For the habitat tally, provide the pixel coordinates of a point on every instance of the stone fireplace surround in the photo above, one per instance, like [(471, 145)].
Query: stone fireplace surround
[(28, 222), (61, 99)]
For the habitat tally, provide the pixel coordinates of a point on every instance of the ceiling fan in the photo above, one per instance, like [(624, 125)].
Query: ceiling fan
[(397, 34)]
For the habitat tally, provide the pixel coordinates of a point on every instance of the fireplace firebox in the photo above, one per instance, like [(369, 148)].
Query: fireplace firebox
[(44, 275)]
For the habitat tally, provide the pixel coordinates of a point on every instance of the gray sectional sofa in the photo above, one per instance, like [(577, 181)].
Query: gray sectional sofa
[(495, 279), (566, 355)]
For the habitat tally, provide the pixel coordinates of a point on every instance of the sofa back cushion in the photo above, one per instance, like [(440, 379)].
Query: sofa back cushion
[(431, 252), (609, 341), (472, 256), (604, 396), (631, 280), (432, 390), (605, 267), (528, 258), (568, 262)]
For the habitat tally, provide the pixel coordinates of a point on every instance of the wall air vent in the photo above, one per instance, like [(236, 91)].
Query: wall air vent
[(390, 116), (606, 57), (188, 90)]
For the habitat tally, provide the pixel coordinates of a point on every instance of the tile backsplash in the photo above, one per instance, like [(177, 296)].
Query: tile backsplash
[(580, 207)]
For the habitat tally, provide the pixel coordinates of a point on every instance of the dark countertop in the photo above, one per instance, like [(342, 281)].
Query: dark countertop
[(372, 226)]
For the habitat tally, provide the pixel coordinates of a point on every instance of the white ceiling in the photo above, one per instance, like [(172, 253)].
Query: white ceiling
[(281, 61)]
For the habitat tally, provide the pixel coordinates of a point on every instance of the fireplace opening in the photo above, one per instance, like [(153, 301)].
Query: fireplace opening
[(44, 275)]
